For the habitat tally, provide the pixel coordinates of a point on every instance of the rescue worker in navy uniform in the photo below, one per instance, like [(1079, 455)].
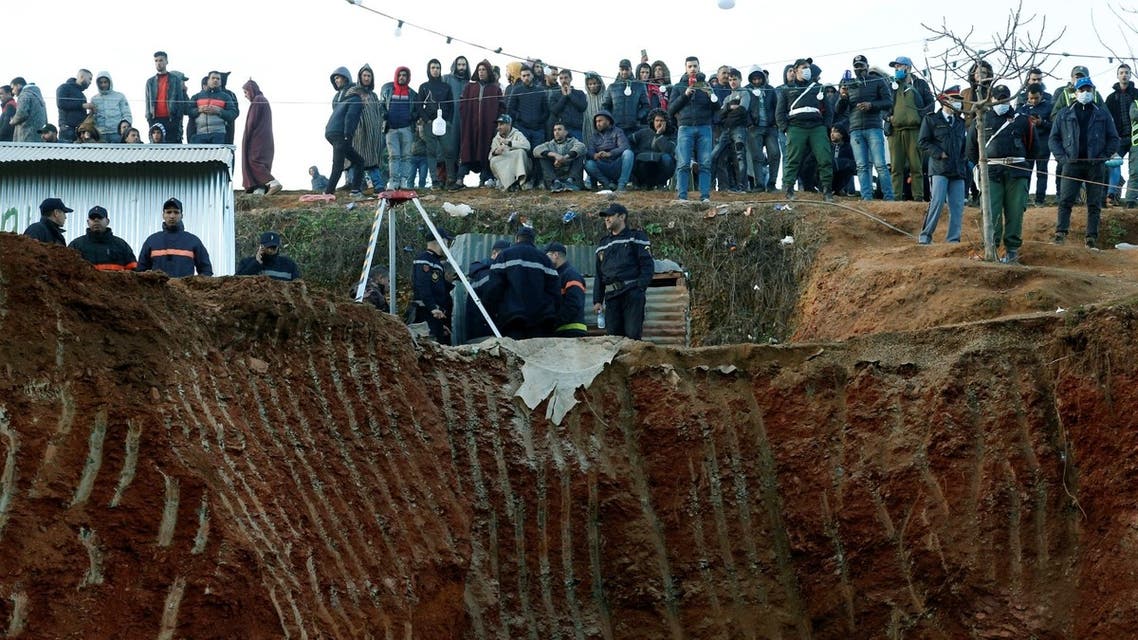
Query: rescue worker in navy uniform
[(479, 276), (174, 250), (102, 248), (571, 318), (523, 292), (624, 270), (431, 289), (268, 261), (53, 215)]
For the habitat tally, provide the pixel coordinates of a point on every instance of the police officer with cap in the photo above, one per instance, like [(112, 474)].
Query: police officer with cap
[(431, 301), (53, 215), (624, 270), (571, 317), (101, 247), (268, 261)]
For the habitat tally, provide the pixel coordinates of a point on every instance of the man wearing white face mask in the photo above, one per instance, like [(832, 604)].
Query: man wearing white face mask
[(942, 140), (1082, 137), (806, 115), (1009, 144)]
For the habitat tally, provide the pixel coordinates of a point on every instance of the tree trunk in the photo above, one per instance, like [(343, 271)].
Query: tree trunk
[(982, 175)]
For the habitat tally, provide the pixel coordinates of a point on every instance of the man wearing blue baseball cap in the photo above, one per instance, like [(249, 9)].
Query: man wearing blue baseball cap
[(1082, 138)]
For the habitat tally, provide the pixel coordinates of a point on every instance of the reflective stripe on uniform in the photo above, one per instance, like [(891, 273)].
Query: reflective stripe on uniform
[(573, 283), (573, 326), (623, 241), (528, 264), (279, 275), (184, 253), (116, 267)]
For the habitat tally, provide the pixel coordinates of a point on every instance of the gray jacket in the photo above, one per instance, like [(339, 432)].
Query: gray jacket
[(111, 108), (31, 115)]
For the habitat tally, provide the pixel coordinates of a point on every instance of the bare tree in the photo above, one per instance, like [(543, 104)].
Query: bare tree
[(1022, 45)]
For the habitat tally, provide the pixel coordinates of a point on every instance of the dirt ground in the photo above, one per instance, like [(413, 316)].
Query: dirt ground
[(942, 453)]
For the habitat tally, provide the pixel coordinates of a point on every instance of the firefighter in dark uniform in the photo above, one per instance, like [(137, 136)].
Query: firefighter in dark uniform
[(571, 318), (479, 275), (522, 292), (431, 289), (624, 270)]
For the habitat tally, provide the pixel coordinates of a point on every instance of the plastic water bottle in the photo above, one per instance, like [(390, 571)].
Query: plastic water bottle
[(439, 126), (601, 319)]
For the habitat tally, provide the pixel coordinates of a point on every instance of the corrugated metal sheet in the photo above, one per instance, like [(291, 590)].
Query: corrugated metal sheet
[(667, 310), (132, 195), (117, 153)]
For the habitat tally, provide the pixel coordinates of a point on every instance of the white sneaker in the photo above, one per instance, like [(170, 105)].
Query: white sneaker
[(259, 191), (274, 187)]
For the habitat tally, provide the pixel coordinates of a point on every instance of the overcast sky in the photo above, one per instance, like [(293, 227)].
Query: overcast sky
[(290, 48)]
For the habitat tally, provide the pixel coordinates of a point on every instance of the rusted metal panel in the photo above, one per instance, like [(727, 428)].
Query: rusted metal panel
[(132, 194)]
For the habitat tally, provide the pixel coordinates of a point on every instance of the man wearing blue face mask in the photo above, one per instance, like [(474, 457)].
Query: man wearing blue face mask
[(912, 101), (1009, 143), (1082, 136)]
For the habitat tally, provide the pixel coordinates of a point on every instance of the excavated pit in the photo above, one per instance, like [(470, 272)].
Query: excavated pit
[(242, 458)]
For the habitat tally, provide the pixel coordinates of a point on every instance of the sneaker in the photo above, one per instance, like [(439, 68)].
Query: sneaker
[(556, 187), (706, 201), (1011, 257), (259, 191), (828, 196), (790, 194), (356, 195), (570, 185), (456, 186), (490, 184), (1059, 238), (1091, 243), (274, 187)]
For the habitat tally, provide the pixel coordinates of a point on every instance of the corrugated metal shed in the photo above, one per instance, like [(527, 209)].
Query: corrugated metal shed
[(667, 311), (131, 182)]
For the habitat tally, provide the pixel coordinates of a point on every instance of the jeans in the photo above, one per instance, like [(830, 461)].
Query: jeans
[(732, 145), (209, 138), (399, 143), (766, 155), (1074, 175), (342, 150), (952, 190), (605, 171), (869, 147), (1039, 165), (1007, 199), (693, 138), (567, 171), (420, 169)]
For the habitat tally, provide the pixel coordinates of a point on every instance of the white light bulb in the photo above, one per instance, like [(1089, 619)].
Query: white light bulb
[(627, 89), (726, 4), (399, 29), (714, 98)]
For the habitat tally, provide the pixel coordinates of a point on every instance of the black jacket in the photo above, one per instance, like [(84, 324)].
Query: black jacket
[(623, 261), (435, 94), (46, 230), (523, 288), (529, 107), (694, 110), (874, 89), (763, 105), (571, 316), (69, 99), (175, 251), (568, 109), (1118, 104), (479, 275), (1102, 138), (105, 250), (810, 98), (1015, 140), (1042, 111), (429, 284), (939, 137), (277, 267)]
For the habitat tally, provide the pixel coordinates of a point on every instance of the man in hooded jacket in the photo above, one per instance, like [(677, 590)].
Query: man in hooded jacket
[(438, 101), (399, 107), (111, 108), (341, 127)]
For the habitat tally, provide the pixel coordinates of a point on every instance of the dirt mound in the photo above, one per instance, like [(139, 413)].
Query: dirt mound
[(238, 457)]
